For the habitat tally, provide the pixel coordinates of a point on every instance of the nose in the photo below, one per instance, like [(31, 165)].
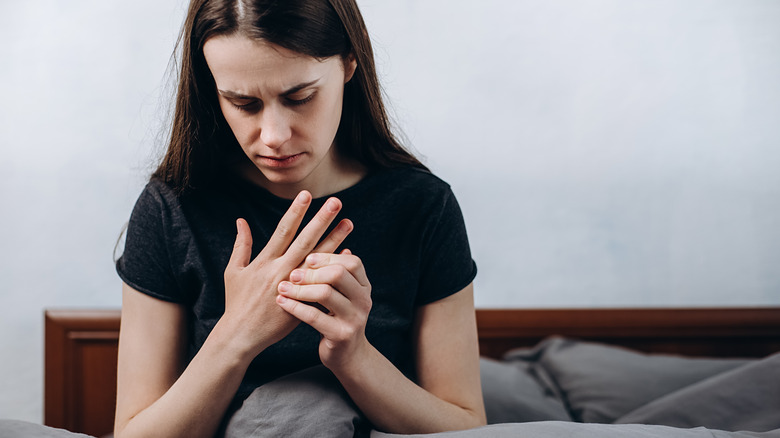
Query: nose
[(275, 127)]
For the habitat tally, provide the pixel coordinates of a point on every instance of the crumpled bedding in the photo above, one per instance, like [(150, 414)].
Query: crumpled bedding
[(560, 388), (564, 379), (24, 429), (568, 388), (563, 429)]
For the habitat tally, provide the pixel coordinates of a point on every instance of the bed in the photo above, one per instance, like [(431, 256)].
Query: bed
[(81, 346)]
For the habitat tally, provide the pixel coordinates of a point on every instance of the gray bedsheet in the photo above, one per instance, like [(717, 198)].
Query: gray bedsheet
[(566, 388), (561, 388), (24, 429), (562, 429)]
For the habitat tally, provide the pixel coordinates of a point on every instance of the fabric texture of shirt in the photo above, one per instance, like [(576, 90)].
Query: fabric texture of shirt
[(408, 231)]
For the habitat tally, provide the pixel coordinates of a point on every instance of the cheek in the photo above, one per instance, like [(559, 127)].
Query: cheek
[(315, 125), (329, 116), (242, 126)]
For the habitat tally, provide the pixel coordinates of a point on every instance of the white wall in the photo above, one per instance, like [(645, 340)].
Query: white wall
[(605, 152)]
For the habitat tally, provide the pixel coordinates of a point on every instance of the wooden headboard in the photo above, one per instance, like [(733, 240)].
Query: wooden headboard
[(81, 346)]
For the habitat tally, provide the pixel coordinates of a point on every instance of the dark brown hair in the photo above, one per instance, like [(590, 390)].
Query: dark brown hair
[(201, 140)]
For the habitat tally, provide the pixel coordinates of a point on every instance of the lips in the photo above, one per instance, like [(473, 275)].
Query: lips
[(280, 161)]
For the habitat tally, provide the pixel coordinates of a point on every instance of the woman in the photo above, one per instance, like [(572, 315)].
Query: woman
[(279, 115)]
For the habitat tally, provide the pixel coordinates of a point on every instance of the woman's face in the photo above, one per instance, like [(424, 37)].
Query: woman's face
[(284, 109)]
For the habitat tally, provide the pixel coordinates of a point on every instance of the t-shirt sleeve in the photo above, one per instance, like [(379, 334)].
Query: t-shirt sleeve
[(447, 266), (146, 264)]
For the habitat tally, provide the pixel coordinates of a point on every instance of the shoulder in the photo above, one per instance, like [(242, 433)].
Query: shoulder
[(414, 174), (158, 205), (414, 182), (416, 195), (160, 196), (157, 193)]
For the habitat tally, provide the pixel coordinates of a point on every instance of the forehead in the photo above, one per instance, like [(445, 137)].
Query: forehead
[(243, 64)]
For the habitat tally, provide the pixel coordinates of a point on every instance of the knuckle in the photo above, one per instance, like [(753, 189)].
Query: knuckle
[(348, 331), (319, 220), (294, 307), (325, 293), (284, 230), (311, 315), (333, 274), (366, 303), (304, 241), (354, 262), (309, 276)]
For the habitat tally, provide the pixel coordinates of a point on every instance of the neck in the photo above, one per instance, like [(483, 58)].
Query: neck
[(342, 173)]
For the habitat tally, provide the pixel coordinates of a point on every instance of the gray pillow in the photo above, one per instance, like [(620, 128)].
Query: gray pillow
[(513, 395), (601, 383), (745, 398), (309, 403)]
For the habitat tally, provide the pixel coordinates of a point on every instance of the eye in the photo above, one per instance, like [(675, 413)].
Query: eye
[(295, 100), (249, 107), (246, 105)]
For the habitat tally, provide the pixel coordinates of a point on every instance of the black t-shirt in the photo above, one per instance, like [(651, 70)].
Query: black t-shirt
[(409, 233)]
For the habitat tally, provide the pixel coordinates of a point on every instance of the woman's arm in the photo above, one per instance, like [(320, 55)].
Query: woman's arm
[(158, 393), (448, 396), (154, 396), (447, 352)]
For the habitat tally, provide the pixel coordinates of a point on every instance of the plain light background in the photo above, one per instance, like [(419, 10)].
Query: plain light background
[(606, 153)]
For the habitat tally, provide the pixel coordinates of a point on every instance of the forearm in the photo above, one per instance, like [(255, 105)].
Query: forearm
[(395, 404), (195, 404)]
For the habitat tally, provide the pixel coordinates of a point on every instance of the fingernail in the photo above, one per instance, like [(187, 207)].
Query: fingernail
[(332, 205), (312, 259), (345, 225), (285, 286), (281, 299), (296, 276), (302, 197)]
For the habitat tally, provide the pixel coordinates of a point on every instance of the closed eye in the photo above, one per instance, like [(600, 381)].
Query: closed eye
[(246, 105), (293, 100)]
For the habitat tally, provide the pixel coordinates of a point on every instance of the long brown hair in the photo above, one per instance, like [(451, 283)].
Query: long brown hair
[(201, 140)]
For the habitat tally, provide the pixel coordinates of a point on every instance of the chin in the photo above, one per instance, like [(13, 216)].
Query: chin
[(287, 177)]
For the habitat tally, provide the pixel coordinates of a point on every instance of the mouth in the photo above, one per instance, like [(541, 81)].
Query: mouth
[(280, 161)]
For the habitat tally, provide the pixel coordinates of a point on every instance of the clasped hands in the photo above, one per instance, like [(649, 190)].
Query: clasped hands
[(296, 279)]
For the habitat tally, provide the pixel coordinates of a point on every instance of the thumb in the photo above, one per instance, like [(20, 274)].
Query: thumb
[(242, 250)]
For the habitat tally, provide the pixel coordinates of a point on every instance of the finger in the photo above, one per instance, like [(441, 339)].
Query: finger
[(242, 249), (336, 237), (350, 262), (335, 275), (345, 251), (288, 226), (320, 321), (323, 294), (313, 231)]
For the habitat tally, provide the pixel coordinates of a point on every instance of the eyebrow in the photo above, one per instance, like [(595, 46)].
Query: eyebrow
[(292, 90)]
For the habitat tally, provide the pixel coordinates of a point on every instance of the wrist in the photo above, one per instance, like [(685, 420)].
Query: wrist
[(230, 343), (355, 362)]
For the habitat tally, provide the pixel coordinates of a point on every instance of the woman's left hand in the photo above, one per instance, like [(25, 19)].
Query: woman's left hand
[(338, 283)]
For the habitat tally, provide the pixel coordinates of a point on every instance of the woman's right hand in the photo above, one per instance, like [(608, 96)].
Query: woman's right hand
[(251, 312)]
